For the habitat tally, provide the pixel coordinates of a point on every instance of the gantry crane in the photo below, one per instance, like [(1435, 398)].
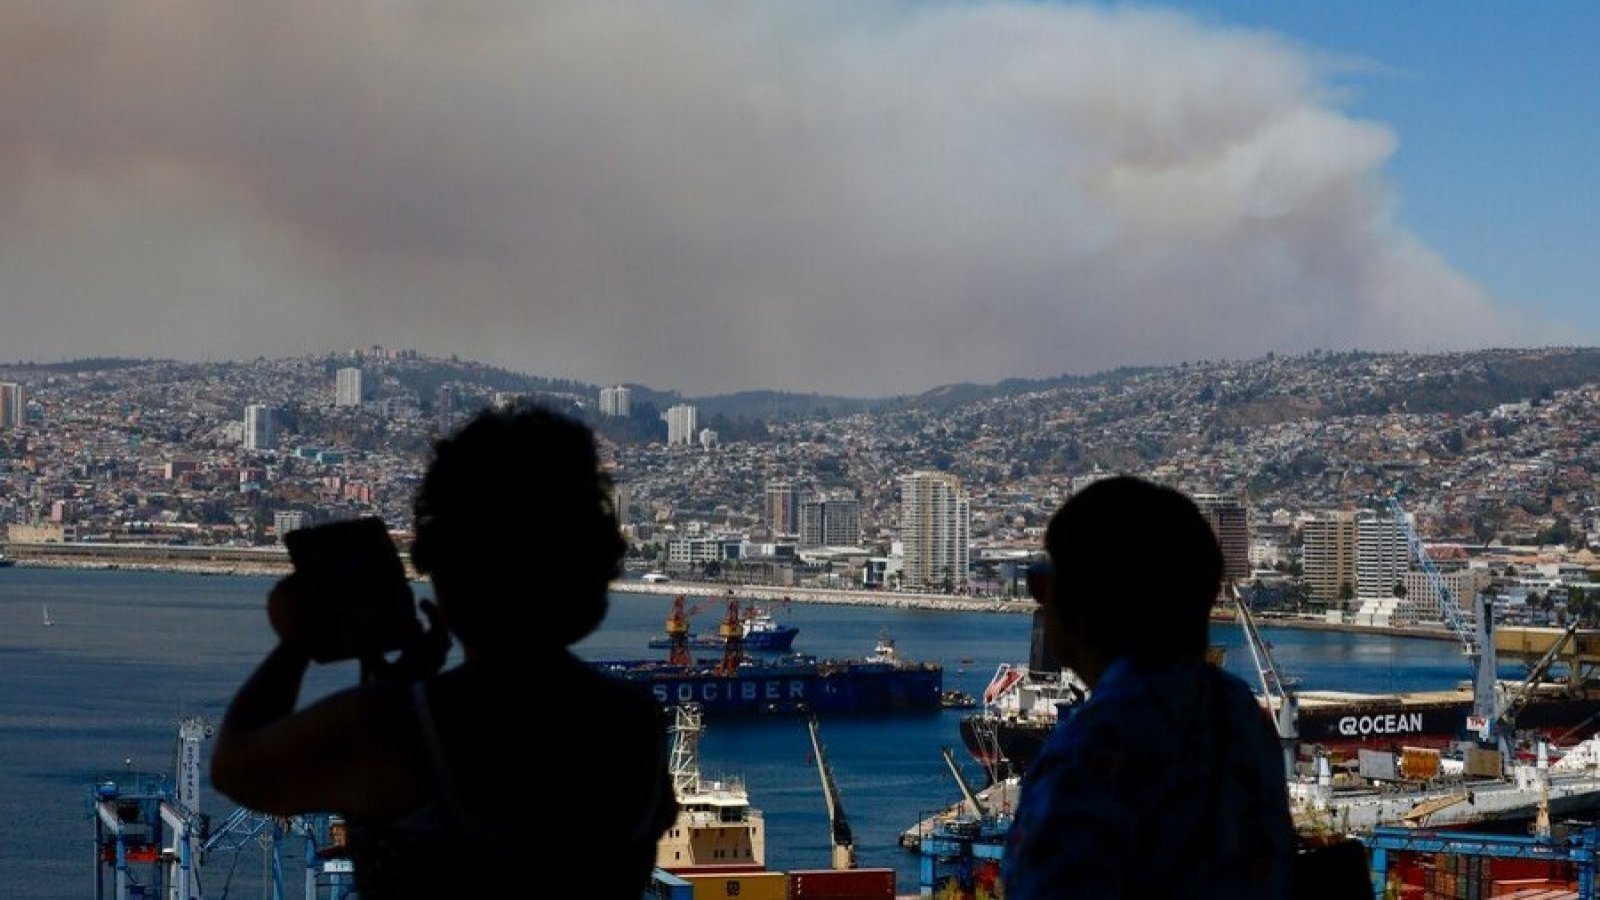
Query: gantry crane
[(151, 835)]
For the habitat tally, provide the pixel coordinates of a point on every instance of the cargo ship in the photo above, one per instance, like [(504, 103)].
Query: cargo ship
[(1023, 704), (762, 632)]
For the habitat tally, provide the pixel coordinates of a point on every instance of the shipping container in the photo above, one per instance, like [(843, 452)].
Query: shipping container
[(841, 884), (1419, 763), (666, 886), (740, 886)]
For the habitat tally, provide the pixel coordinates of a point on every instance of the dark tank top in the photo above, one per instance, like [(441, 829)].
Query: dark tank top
[(442, 851)]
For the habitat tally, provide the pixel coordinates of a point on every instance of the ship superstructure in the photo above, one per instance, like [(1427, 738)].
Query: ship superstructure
[(717, 829)]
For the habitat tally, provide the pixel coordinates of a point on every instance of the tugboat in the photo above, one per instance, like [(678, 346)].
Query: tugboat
[(762, 633)]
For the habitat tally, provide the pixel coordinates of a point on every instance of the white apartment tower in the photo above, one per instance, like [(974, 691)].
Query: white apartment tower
[(1382, 554), (1328, 555), (616, 401), (681, 425), (935, 529), (13, 405), (260, 427), (347, 387)]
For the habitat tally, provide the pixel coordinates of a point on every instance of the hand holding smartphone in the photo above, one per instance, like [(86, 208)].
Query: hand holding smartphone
[(358, 599)]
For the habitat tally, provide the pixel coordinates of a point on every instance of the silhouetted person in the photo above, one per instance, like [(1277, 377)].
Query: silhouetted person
[(1168, 781), (522, 771)]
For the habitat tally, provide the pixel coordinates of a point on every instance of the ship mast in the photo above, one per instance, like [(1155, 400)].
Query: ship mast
[(685, 760)]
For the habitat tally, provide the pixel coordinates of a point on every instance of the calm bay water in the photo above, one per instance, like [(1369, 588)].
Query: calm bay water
[(132, 652)]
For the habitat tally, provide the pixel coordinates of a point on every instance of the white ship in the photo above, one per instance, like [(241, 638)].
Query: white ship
[(1450, 796)]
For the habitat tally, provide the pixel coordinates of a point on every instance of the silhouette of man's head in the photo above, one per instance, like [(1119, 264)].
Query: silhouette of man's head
[(515, 525), (1136, 570)]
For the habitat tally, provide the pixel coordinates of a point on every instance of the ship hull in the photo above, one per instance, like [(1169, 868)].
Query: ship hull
[(791, 688), (1342, 729)]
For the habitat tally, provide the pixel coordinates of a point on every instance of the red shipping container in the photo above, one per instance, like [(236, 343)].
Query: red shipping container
[(841, 884)]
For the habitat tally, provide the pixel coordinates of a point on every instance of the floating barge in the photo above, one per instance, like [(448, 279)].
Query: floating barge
[(741, 685)]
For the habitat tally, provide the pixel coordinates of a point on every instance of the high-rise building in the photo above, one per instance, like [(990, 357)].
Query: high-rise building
[(347, 391), (783, 507), (1328, 555), (935, 529), (260, 427), (616, 401), (1230, 520), (830, 522), (13, 405), (681, 424), (1382, 554)]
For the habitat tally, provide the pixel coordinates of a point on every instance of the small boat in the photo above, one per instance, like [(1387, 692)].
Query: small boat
[(47, 620), (953, 699), (6, 562)]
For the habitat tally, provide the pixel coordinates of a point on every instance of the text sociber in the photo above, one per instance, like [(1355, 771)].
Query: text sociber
[(722, 690)]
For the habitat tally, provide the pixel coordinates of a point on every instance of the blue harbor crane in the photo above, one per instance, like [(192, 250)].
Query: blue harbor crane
[(151, 839)]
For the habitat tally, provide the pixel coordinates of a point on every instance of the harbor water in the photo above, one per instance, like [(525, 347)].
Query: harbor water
[(131, 653)]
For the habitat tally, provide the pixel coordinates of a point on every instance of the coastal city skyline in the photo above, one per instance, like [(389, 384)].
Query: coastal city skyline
[(1298, 461), (830, 198)]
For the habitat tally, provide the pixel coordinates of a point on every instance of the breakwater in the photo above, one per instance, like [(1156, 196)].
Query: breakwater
[(275, 561)]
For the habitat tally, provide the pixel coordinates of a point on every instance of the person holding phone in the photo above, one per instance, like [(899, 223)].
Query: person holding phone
[(451, 777)]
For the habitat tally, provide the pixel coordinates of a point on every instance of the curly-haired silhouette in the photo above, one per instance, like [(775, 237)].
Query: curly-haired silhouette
[(522, 764)]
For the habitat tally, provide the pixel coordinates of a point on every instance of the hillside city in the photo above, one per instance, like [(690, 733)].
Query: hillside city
[(1317, 470)]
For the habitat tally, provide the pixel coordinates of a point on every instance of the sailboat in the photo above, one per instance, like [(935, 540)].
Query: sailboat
[(47, 620)]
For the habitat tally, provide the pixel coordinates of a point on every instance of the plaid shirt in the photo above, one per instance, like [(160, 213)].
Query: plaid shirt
[(1167, 782)]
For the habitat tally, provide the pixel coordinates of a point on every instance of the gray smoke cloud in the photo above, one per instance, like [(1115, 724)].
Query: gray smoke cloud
[(852, 197)]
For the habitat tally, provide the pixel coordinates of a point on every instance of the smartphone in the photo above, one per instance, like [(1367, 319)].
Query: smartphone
[(353, 576)]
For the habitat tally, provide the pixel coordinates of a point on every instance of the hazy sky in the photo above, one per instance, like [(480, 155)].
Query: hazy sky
[(849, 197)]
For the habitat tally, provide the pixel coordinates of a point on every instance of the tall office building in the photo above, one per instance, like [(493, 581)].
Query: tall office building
[(13, 405), (616, 401), (830, 522), (260, 427), (1382, 554), (681, 425), (347, 390), (935, 529), (1328, 555), (783, 507), (1230, 520)]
